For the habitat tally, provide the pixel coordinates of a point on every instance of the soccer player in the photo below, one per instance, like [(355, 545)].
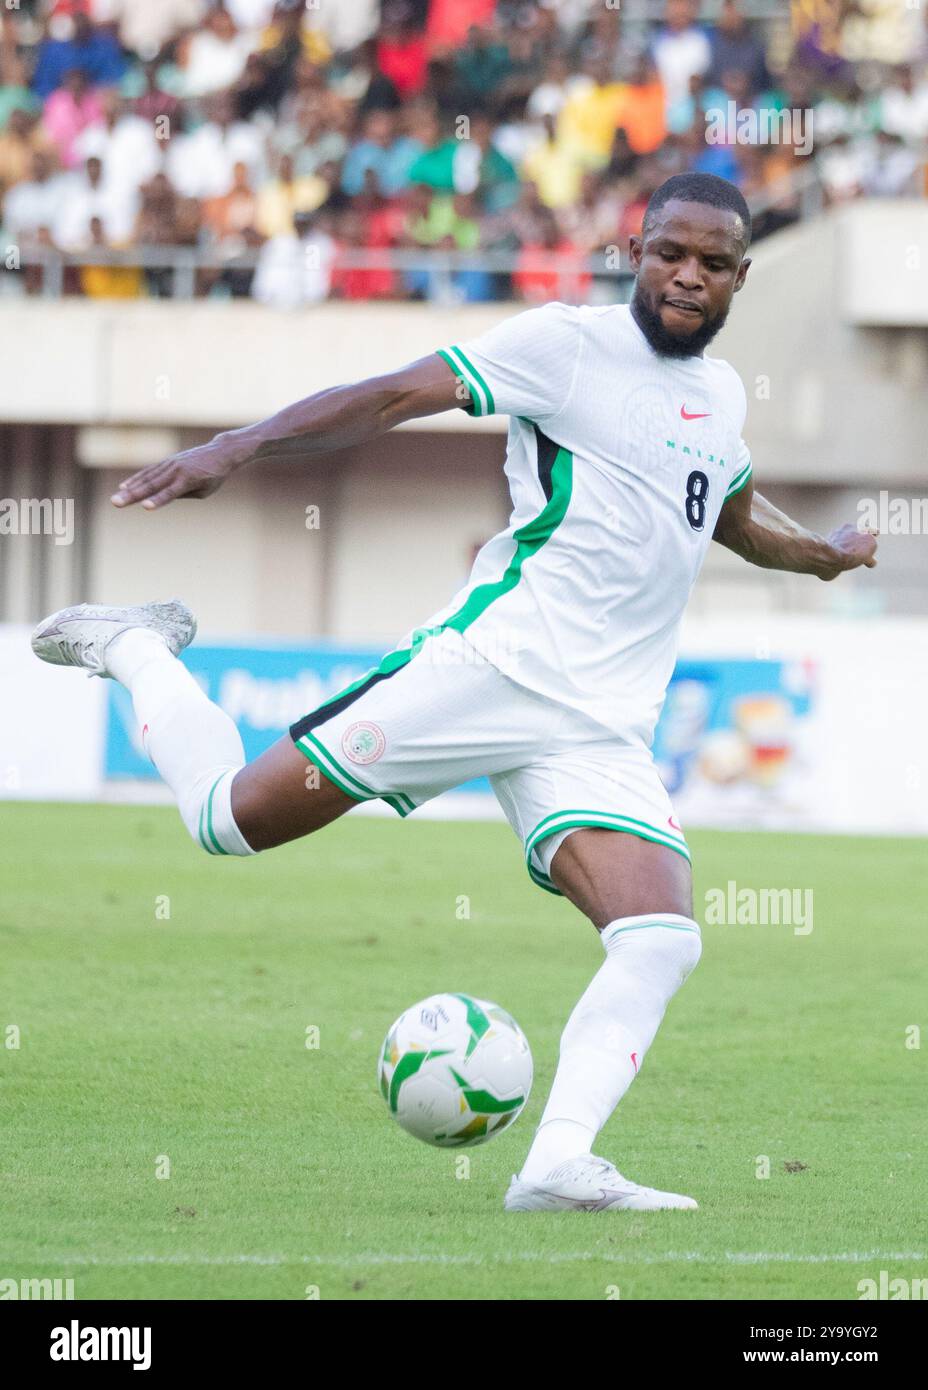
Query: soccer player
[(548, 670)]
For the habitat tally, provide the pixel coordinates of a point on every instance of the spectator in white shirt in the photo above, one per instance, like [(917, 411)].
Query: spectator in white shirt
[(346, 24), (681, 50), (215, 56), (892, 171), (126, 144), (296, 268), (845, 167), (145, 26), (201, 163), (35, 203), (904, 107), (252, 15), (551, 93), (87, 197)]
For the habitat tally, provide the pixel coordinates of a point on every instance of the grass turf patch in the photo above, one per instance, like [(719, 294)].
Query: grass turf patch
[(162, 1000)]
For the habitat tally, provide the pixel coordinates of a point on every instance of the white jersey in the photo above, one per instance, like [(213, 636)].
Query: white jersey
[(619, 461)]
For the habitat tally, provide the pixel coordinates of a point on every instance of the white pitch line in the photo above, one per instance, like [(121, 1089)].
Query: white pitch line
[(737, 1257)]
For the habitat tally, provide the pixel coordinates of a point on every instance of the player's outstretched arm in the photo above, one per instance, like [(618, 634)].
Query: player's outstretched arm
[(761, 534), (331, 419)]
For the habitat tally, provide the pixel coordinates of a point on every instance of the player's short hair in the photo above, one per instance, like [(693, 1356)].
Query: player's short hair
[(701, 188)]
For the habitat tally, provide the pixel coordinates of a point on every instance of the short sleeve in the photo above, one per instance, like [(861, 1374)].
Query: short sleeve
[(743, 470), (524, 366)]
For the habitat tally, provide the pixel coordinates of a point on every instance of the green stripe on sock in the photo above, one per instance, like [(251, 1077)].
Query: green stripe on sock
[(641, 926), (202, 837), (209, 817)]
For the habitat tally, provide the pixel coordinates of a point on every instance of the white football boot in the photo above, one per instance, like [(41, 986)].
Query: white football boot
[(79, 636), (589, 1183)]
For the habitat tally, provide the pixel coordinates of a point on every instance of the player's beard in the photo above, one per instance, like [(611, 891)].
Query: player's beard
[(667, 344)]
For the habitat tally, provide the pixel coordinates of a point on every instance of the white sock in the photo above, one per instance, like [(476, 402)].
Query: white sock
[(193, 743), (609, 1032)]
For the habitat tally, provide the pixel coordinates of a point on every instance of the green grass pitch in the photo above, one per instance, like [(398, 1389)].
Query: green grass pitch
[(144, 1037)]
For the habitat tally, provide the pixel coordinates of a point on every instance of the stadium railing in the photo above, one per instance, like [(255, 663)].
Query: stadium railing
[(802, 192)]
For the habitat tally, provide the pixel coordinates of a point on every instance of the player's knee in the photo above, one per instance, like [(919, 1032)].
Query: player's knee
[(207, 813), (675, 950), (690, 952), (670, 956), (662, 955)]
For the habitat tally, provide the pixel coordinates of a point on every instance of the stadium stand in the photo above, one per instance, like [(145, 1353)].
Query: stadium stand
[(298, 150)]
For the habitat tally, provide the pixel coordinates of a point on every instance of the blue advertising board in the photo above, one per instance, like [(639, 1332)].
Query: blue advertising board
[(731, 731)]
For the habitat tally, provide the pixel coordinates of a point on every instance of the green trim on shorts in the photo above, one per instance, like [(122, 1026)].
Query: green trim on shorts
[(542, 880), (608, 820), (318, 754), (598, 820)]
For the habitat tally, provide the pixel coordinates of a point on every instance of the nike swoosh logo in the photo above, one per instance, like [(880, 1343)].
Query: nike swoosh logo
[(676, 826), (634, 1057), (685, 416)]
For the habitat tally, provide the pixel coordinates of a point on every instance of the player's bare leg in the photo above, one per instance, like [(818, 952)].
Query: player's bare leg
[(280, 796), (608, 875), (638, 895)]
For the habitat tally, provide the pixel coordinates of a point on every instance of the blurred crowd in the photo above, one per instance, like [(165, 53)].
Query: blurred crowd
[(295, 143)]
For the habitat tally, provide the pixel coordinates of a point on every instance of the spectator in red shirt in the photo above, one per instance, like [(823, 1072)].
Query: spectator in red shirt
[(551, 268), (353, 282), (402, 55), (449, 22)]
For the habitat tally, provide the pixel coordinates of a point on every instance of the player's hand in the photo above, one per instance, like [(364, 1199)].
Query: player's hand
[(192, 473), (851, 549)]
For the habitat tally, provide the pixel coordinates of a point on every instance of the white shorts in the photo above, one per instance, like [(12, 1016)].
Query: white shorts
[(420, 724)]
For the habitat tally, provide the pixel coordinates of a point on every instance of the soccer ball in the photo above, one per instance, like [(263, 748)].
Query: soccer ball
[(455, 1070)]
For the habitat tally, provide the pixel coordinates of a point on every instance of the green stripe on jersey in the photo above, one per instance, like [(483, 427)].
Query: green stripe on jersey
[(528, 538), (474, 407), (740, 480), (528, 541), (480, 394)]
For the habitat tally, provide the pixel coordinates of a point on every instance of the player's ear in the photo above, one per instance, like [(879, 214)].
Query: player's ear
[(634, 252), (742, 273)]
